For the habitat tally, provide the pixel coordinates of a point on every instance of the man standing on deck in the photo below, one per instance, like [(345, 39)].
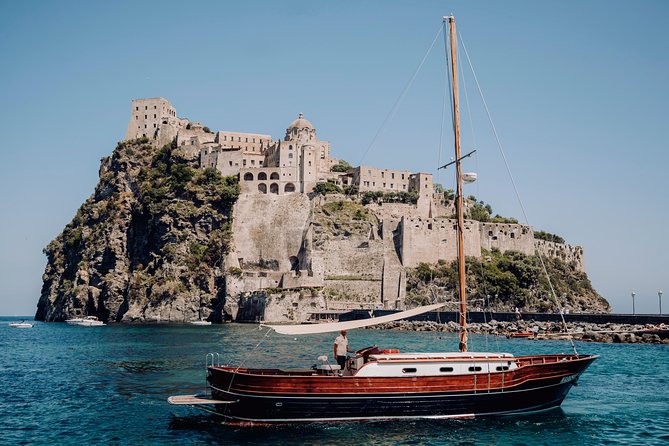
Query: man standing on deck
[(341, 348)]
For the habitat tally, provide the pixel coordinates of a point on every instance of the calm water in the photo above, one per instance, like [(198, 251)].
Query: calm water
[(108, 385)]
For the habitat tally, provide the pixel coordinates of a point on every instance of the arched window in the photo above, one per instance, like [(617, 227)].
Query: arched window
[(262, 188), (274, 189), (290, 147), (274, 176), (248, 176), (290, 187), (262, 176)]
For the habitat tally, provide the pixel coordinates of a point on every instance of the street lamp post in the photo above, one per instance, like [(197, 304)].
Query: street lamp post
[(659, 294), (633, 294)]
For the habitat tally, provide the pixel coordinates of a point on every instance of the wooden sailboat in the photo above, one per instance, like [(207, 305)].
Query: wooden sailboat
[(388, 385)]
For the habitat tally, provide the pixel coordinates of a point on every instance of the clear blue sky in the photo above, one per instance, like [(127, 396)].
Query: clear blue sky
[(578, 91)]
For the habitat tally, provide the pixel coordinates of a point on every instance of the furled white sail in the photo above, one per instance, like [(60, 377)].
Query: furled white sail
[(338, 326)]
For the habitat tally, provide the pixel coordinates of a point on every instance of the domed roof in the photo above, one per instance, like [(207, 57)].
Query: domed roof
[(300, 123)]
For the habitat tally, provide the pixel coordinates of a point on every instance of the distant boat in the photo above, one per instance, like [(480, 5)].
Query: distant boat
[(22, 324), (520, 334), (88, 321), (200, 322)]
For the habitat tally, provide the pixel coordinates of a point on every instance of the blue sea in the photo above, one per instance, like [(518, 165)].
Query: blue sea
[(109, 385)]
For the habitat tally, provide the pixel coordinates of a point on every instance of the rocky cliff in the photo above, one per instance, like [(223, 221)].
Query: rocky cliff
[(157, 242), (148, 245)]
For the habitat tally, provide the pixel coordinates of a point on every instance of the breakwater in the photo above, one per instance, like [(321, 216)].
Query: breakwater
[(531, 329), (485, 316), (608, 328)]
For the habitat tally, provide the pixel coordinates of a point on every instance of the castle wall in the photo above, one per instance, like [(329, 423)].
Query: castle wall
[(431, 239), (562, 251), (248, 142), (226, 161), (356, 257), (394, 274), (269, 228), (194, 136), (507, 237)]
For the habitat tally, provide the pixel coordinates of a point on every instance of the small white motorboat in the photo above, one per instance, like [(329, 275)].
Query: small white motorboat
[(88, 321), (22, 324), (199, 322)]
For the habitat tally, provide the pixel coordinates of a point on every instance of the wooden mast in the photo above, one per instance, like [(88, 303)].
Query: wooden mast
[(458, 177)]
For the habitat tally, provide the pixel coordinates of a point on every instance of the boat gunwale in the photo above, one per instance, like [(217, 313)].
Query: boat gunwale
[(521, 362)]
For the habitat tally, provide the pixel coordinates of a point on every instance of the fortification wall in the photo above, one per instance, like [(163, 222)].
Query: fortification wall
[(431, 239), (349, 294), (507, 237), (357, 257), (568, 253), (269, 229)]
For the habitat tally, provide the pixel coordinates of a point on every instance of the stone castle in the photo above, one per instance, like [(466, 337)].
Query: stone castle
[(279, 241)]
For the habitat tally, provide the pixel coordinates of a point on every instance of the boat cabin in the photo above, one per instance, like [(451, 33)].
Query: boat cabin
[(371, 361)]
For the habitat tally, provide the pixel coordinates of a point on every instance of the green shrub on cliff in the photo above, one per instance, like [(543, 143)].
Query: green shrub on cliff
[(542, 235), (343, 166), (170, 177), (327, 188), (510, 279)]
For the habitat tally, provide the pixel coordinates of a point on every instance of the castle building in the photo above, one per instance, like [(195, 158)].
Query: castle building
[(148, 115), (266, 166), (295, 164)]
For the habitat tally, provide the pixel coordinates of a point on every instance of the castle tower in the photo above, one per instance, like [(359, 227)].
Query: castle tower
[(147, 115), (423, 185)]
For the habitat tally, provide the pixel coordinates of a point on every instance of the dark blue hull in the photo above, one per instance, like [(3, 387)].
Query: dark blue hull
[(272, 409)]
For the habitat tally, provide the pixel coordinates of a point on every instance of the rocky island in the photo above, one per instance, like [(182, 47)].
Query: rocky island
[(186, 223)]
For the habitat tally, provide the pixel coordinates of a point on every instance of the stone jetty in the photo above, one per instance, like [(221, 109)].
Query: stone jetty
[(580, 331)]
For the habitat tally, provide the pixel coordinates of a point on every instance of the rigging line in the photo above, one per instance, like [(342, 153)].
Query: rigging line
[(515, 189), (247, 356), (397, 103)]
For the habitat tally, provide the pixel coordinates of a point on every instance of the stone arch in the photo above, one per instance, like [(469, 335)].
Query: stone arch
[(274, 176), (294, 263), (274, 188), (248, 176), (262, 176), (262, 188), (289, 188)]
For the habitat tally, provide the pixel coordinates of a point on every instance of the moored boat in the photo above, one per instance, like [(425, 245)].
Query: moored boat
[(22, 324), (379, 384), (397, 386), (199, 322), (87, 321)]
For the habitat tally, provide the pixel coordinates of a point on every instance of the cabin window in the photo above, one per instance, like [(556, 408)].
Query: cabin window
[(446, 369), (409, 370), (475, 369), (501, 368)]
